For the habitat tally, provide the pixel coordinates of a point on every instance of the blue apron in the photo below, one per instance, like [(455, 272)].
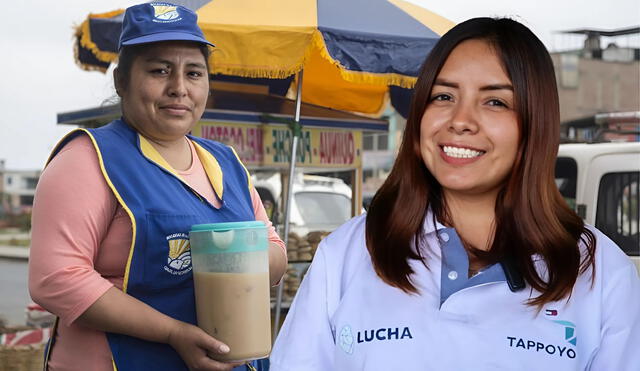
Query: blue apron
[(162, 209)]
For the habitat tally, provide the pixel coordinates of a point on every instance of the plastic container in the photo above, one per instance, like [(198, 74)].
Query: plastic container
[(231, 277)]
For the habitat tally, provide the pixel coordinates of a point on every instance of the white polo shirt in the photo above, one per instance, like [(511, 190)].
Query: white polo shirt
[(345, 318)]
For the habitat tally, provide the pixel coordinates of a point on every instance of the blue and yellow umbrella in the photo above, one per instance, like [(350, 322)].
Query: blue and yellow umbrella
[(351, 51)]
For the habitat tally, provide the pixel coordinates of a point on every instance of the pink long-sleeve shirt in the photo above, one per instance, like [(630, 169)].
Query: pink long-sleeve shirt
[(80, 244)]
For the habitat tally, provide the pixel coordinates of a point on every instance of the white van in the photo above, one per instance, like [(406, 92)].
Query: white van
[(319, 203), (602, 182)]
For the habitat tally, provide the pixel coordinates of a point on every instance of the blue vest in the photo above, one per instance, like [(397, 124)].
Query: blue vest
[(162, 209)]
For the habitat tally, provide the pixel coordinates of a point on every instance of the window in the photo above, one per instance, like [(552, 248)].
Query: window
[(26, 200), (569, 71), (367, 173), (268, 201), (31, 183), (375, 142), (383, 142), (617, 213), (566, 179), (367, 142), (9, 180)]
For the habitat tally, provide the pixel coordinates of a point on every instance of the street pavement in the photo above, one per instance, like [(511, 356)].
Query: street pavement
[(13, 285), (13, 279)]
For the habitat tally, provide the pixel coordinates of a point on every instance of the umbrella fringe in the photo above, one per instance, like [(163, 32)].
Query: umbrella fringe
[(274, 72), (84, 32), (317, 43), (76, 56), (362, 77), (85, 66), (256, 73)]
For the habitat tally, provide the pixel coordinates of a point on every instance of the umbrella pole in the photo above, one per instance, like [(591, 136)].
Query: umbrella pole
[(295, 131)]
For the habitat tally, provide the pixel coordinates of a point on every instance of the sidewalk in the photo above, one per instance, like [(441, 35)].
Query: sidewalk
[(14, 252)]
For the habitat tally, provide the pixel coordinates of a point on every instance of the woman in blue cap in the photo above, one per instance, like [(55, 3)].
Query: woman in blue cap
[(112, 200)]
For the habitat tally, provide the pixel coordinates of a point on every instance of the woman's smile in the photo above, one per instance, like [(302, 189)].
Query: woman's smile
[(175, 109), (460, 154)]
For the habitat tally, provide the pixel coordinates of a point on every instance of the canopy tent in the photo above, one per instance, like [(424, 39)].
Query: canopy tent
[(352, 51)]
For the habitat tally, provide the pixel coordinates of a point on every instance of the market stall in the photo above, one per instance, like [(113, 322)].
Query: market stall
[(257, 126)]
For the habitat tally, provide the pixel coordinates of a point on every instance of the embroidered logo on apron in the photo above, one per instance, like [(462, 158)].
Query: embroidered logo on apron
[(179, 259)]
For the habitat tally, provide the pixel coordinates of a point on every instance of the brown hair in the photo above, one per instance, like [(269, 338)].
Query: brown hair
[(531, 215)]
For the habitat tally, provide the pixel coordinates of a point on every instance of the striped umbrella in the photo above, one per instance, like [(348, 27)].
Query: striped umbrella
[(351, 50)]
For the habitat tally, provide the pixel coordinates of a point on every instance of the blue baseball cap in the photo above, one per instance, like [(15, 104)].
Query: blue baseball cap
[(154, 22)]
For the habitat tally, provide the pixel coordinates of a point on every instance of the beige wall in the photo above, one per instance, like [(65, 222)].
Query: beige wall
[(602, 86)]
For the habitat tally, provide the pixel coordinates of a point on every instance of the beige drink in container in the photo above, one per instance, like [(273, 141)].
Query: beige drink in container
[(231, 277)]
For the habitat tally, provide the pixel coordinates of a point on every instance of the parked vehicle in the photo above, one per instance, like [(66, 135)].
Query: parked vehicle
[(319, 203), (601, 181)]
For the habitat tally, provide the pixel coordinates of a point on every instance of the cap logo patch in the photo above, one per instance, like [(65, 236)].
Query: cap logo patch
[(165, 13)]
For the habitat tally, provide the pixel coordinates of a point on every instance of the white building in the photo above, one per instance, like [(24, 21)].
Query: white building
[(17, 188)]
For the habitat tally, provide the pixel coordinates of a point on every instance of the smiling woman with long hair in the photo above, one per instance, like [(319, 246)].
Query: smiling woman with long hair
[(468, 257)]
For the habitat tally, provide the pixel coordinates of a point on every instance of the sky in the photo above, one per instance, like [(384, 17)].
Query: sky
[(39, 77)]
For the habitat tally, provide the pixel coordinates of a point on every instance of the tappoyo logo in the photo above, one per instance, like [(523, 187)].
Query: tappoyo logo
[(569, 331), (550, 349)]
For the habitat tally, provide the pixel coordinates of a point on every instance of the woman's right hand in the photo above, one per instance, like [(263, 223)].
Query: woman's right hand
[(116, 311), (193, 344)]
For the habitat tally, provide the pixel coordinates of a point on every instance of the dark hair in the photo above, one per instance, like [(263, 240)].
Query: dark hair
[(128, 54), (531, 215)]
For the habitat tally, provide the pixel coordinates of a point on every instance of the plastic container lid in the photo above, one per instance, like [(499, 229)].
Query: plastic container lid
[(232, 237), (221, 227)]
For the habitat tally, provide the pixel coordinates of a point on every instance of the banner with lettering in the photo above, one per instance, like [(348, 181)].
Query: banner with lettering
[(246, 139), (269, 145)]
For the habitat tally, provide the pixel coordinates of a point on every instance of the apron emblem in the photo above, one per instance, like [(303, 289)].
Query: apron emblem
[(179, 259)]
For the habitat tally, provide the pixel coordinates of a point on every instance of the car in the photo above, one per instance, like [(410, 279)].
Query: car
[(319, 203), (601, 181)]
